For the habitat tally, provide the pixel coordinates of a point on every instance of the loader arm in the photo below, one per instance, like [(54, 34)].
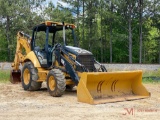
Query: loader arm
[(68, 66), (22, 48)]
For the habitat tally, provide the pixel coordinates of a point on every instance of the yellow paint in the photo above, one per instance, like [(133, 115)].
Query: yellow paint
[(42, 76), (26, 76), (102, 87), (42, 73), (69, 82), (32, 57), (50, 23), (22, 43), (52, 83)]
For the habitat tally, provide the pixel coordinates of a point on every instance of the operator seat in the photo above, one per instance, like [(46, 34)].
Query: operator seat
[(41, 54)]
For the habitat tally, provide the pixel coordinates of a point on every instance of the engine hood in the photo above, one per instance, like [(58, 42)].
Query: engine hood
[(77, 51)]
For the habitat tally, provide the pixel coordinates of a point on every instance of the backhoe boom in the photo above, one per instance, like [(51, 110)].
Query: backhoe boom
[(22, 48)]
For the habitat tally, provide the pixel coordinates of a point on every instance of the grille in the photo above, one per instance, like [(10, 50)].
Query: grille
[(87, 61)]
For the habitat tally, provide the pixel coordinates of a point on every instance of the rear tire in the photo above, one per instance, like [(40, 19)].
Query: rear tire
[(56, 83), (29, 77)]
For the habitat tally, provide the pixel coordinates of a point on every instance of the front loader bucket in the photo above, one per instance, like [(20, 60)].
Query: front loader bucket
[(15, 76), (103, 87)]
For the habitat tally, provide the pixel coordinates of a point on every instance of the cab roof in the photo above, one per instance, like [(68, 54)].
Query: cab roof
[(53, 26)]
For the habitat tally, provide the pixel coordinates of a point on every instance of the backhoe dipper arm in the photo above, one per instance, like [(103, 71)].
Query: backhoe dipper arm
[(23, 47)]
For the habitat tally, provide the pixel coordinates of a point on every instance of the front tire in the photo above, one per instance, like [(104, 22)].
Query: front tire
[(29, 77), (56, 83)]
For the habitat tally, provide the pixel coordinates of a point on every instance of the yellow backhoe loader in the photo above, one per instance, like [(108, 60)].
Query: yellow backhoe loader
[(46, 57)]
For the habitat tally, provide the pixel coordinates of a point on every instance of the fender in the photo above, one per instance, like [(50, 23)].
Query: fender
[(32, 57)]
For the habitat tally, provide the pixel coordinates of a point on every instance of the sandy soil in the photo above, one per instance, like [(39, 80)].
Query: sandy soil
[(17, 104)]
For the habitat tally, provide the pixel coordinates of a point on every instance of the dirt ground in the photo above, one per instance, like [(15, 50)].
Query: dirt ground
[(17, 104)]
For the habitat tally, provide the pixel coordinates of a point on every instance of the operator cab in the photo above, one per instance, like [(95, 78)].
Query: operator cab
[(44, 40)]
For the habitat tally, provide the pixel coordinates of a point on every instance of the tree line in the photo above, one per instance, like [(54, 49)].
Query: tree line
[(115, 31)]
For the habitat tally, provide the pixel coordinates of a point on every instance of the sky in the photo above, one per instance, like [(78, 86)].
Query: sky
[(55, 2)]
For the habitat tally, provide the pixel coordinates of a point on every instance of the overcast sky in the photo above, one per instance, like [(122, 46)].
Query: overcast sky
[(54, 2)]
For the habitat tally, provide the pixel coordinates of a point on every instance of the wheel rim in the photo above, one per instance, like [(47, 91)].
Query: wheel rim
[(26, 76), (52, 83)]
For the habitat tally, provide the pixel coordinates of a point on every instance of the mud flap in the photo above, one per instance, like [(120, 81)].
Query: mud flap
[(103, 87), (15, 76)]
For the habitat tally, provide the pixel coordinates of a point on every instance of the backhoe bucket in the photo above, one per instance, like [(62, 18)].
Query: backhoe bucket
[(15, 76), (103, 87)]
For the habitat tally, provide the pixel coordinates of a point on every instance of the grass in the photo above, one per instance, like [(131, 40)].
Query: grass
[(4, 76), (151, 76)]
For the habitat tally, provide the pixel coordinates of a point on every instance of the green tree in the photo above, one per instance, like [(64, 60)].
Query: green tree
[(16, 15)]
